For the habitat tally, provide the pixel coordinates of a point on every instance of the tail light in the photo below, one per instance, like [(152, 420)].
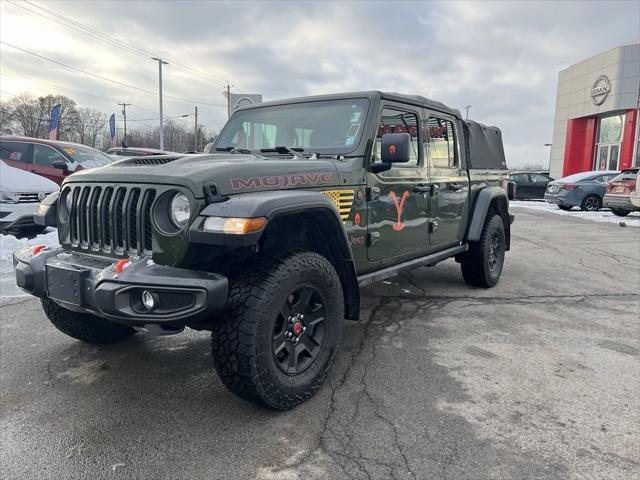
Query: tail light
[(631, 184), (568, 186)]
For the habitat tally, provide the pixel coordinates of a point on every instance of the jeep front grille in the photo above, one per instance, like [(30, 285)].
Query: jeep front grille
[(111, 219)]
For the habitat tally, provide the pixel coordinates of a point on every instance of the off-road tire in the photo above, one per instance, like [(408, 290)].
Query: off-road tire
[(591, 203), (84, 326), (242, 335), (476, 264), (566, 208), (619, 212)]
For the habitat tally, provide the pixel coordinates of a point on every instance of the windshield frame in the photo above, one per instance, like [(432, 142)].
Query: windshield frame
[(366, 105)]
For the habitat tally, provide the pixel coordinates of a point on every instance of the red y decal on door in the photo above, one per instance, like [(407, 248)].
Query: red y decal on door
[(399, 208)]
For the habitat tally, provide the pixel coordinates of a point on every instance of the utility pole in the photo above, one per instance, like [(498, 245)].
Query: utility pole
[(195, 133), (467, 109), (124, 114), (160, 63), (227, 93)]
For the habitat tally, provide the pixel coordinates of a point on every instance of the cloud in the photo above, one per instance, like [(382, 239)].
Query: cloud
[(500, 57)]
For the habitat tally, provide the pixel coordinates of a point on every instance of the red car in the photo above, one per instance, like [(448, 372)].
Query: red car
[(51, 159)]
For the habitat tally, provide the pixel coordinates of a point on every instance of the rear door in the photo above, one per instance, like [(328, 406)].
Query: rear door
[(449, 183), (16, 154), (397, 199)]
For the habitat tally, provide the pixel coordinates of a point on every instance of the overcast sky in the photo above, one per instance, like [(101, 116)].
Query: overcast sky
[(502, 58)]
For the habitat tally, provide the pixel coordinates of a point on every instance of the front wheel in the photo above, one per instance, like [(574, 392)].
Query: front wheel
[(482, 264), (277, 338), (620, 212)]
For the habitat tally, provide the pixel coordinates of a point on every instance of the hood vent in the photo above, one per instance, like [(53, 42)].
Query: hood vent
[(150, 160)]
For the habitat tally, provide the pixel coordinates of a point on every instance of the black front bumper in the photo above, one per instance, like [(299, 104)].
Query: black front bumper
[(91, 284)]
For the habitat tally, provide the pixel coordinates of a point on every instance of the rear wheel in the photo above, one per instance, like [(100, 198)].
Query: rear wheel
[(620, 212), (566, 208), (591, 203), (277, 339), (482, 264), (84, 326)]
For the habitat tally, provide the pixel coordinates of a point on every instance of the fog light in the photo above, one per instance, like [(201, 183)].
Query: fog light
[(148, 300)]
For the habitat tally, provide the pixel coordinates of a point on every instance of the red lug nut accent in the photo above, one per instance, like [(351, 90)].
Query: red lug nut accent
[(297, 328)]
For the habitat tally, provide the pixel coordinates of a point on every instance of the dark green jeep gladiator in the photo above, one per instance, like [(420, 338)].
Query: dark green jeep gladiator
[(267, 242)]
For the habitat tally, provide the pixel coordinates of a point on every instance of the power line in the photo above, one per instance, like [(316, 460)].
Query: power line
[(143, 90), (79, 92), (92, 32)]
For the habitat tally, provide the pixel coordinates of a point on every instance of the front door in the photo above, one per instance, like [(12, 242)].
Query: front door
[(608, 156), (397, 199), (43, 158), (449, 182)]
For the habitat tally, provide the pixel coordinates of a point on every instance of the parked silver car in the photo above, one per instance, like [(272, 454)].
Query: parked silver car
[(584, 190)]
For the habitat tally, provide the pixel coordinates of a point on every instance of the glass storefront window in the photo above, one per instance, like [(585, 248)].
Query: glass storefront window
[(610, 130)]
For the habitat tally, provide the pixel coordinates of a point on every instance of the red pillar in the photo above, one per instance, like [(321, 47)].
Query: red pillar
[(580, 145), (628, 139)]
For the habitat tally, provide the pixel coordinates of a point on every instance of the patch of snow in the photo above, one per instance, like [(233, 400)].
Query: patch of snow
[(8, 245), (604, 215)]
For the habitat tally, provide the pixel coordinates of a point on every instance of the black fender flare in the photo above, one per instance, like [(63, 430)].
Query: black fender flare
[(480, 208), (279, 203)]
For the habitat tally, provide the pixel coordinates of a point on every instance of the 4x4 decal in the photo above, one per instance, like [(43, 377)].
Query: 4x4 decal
[(399, 209)]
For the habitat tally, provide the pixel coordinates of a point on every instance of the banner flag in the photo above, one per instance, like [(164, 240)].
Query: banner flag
[(54, 124)]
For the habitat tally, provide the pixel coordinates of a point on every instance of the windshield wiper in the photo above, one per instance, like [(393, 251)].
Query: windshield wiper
[(281, 149), (233, 150)]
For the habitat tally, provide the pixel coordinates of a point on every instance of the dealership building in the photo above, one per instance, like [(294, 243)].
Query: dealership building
[(596, 120)]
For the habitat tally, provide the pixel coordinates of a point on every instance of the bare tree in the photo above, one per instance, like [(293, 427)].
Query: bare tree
[(25, 116), (91, 123)]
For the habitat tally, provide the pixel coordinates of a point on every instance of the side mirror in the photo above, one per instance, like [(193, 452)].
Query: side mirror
[(61, 164), (395, 147)]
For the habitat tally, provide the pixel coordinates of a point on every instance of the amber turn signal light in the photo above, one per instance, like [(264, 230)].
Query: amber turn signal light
[(234, 226)]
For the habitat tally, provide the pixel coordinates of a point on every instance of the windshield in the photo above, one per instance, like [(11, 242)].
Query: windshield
[(86, 156), (330, 127)]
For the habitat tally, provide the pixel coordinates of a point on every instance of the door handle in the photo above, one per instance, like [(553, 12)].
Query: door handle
[(456, 187), (421, 188)]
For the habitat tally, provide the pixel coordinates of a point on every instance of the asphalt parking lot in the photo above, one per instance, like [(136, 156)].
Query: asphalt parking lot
[(537, 378)]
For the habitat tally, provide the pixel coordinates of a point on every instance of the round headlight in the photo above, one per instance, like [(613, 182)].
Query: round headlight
[(68, 198), (180, 210)]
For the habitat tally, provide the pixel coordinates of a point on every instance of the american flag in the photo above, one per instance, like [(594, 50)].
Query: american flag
[(112, 129), (55, 122)]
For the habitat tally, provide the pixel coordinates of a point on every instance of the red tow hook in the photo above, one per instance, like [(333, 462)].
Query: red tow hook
[(121, 265), (37, 249)]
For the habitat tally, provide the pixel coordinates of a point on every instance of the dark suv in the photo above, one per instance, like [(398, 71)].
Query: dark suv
[(52, 159)]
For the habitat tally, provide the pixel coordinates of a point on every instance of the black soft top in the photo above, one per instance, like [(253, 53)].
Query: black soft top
[(483, 145)]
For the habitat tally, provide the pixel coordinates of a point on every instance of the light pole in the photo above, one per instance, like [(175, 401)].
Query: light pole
[(467, 114), (124, 114), (160, 63)]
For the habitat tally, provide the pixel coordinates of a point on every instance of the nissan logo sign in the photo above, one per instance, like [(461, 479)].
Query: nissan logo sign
[(600, 90)]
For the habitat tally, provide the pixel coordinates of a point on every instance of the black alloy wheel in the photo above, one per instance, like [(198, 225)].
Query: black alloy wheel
[(591, 203), (298, 331)]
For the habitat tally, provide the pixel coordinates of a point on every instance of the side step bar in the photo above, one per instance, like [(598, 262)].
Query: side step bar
[(427, 261)]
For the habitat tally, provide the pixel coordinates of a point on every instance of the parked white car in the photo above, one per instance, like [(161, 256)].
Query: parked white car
[(20, 194)]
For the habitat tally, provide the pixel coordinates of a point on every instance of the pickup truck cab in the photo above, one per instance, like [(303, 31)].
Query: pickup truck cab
[(267, 241)]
